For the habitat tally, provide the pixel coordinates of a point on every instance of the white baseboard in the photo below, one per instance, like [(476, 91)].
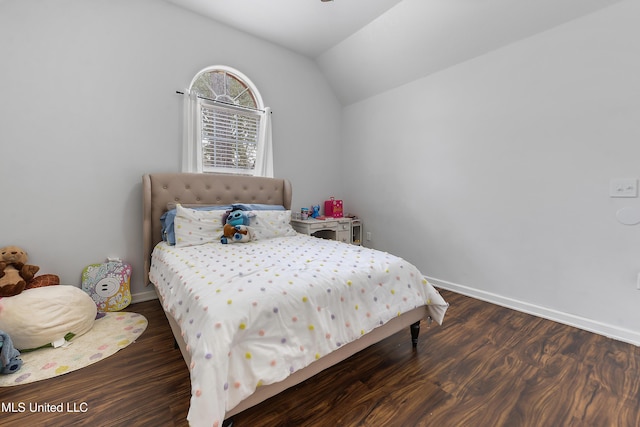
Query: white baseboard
[(143, 296), (610, 331)]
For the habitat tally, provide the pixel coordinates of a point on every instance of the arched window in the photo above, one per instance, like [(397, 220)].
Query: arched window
[(227, 126), (226, 85)]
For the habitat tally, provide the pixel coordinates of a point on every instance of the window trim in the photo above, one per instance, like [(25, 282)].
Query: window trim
[(192, 145)]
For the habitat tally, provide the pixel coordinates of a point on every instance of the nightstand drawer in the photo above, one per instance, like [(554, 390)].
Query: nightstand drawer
[(324, 225)]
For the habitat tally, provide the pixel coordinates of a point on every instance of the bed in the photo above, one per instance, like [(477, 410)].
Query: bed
[(253, 319)]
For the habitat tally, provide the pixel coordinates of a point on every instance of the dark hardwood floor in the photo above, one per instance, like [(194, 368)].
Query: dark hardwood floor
[(486, 366)]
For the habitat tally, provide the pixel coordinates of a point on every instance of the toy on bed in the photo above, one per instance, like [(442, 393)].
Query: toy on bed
[(10, 361), (235, 227), (14, 271)]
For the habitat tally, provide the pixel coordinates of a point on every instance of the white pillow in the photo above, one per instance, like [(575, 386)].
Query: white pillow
[(195, 227), (270, 224)]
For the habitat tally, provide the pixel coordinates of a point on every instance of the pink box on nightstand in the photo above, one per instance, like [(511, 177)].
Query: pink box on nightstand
[(333, 208)]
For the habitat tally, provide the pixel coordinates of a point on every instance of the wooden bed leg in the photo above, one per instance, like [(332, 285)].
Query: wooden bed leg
[(175, 344), (415, 331), (228, 422)]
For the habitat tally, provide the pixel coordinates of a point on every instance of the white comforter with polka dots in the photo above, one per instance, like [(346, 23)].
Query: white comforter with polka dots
[(253, 313)]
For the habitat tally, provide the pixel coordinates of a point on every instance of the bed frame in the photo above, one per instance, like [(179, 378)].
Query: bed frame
[(162, 189)]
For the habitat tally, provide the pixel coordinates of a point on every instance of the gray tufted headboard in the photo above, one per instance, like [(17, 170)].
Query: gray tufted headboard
[(161, 189)]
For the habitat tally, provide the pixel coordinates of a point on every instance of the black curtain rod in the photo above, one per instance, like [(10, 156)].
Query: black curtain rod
[(225, 103)]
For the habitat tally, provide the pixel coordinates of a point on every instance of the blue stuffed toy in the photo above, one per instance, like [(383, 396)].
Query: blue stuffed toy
[(235, 228), (10, 361)]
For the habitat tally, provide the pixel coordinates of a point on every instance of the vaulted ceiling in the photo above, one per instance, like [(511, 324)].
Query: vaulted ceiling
[(366, 47), (308, 27)]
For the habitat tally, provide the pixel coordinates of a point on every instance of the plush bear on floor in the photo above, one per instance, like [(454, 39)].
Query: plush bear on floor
[(14, 271)]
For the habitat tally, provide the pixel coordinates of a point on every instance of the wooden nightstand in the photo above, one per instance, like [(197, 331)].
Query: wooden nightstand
[(341, 229)]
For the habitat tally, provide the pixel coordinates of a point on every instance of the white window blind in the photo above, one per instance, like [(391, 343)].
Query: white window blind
[(229, 137)]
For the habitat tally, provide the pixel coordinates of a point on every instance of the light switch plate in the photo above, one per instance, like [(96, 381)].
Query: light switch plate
[(623, 187)]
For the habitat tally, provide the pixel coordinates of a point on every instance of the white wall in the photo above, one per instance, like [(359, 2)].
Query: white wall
[(492, 176), (88, 105), (416, 38)]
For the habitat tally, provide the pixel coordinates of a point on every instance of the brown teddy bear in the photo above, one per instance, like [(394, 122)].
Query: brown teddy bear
[(14, 271)]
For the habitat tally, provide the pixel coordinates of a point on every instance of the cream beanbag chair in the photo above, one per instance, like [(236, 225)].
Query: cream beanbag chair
[(40, 316)]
